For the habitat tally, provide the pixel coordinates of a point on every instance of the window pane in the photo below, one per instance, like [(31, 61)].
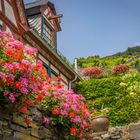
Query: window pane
[(47, 33), (53, 76)]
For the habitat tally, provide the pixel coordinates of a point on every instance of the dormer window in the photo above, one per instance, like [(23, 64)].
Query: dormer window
[(47, 33), (44, 21)]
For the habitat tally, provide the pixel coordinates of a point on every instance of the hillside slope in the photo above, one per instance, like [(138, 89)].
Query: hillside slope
[(131, 56)]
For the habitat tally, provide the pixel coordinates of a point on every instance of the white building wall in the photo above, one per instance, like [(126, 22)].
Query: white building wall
[(1, 22), (64, 78), (8, 30), (9, 12), (55, 69), (43, 59), (0, 6)]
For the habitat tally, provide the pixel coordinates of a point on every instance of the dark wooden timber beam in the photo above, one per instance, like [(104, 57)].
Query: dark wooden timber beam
[(55, 17)]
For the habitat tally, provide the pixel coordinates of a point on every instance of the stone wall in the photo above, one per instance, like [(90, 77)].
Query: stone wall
[(130, 132), (13, 127)]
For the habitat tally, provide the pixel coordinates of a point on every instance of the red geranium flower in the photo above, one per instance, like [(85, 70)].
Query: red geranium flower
[(28, 102), (73, 131), (55, 111), (39, 98), (24, 110), (18, 85), (28, 121), (72, 114)]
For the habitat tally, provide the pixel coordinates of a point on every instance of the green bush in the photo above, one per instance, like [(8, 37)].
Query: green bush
[(107, 93)]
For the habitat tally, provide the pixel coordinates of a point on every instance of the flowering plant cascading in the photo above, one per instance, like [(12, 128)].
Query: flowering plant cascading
[(25, 84), (92, 71), (118, 69)]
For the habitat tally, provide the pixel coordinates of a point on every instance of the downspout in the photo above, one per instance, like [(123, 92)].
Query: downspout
[(75, 68), (72, 81)]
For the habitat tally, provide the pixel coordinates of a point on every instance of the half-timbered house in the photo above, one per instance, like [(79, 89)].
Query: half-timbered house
[(36, 24)]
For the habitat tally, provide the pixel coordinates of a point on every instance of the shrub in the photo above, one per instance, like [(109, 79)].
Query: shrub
[(132, 82), (118, 69), (92, 71), (113, 93)]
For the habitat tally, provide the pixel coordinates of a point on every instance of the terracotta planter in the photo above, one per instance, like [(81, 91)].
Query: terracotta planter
[(100, 123)]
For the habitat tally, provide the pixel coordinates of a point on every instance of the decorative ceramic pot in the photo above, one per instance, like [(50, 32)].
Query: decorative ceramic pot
[(100, 123)]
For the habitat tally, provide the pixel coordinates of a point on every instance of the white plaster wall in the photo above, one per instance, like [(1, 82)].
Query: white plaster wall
[(64, 78), (55, 69), (9, 12), (1, 22), (8, 30), (0, 6), (43, 59)]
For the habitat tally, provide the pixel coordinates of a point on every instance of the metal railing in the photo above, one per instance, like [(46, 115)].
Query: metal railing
[(37, 27)]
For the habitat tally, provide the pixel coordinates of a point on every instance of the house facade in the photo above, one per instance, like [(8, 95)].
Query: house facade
[(36, 24)]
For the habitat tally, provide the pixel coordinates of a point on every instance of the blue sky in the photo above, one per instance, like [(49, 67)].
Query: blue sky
[(97, 27)]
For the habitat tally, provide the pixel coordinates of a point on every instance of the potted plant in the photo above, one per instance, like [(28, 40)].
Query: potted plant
[(100, 121)]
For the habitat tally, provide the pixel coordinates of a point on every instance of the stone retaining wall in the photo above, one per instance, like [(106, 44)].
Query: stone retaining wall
[(13, 127), (130, 132)]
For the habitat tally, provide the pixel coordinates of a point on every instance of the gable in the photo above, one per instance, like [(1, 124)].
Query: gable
[(12, 14), (50, 13), (7, 10)]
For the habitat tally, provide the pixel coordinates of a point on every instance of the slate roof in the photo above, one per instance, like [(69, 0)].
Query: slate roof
[(36, 4)]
